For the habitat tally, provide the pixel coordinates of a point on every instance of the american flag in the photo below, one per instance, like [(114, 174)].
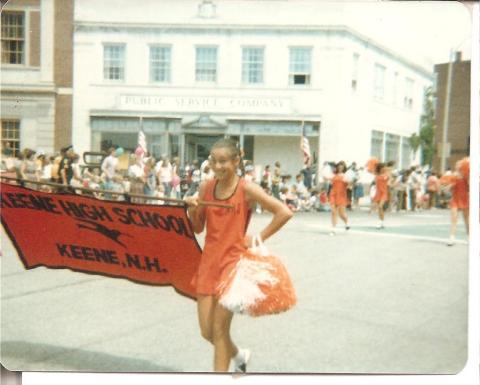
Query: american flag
[(305, 146), (142, 144)]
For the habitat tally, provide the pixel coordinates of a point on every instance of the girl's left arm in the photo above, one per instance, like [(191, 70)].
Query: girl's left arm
[(281, 213)]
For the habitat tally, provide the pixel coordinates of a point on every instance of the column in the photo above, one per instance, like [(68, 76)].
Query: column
[(47, 40), (181, 144)]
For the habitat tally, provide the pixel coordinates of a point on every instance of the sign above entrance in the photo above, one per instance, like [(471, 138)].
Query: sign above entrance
[(207, 104)]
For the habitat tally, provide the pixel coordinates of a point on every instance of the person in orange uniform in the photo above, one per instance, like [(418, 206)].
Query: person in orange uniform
[(459, 186), (382, 181), (225, 241), (338, 195)]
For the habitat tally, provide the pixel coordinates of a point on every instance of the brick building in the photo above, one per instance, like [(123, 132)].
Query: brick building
[(458, 126), (37, 74)]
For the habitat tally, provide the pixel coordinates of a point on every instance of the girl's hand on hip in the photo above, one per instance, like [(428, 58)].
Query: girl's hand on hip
[(247, 241)]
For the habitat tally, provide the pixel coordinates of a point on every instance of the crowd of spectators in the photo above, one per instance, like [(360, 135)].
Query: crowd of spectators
[(415, 188)]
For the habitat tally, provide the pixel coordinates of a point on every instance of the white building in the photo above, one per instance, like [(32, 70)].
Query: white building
[(189, 72), (36, 81)]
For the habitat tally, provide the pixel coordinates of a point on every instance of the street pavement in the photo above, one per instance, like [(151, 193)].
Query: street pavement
[(369, 301)]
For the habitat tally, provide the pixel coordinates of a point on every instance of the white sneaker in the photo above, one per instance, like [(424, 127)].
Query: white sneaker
[(380, 226), (451, 241), (332, 233), (240, 360)]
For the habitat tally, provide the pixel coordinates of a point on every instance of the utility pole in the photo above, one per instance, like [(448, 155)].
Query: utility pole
[(446, 115)]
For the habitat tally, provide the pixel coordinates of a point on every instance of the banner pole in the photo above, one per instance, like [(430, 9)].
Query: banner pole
[(72, 188)]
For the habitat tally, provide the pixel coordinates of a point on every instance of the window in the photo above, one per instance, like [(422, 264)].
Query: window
[(379, 85), (114, 62), (10, 137), (377, 145), (392, 148), (406, 152), (356, 58), (395, 89), (300, 66), (252, 65), (160, 64), (206, 64), (435, 83), (13, 37), (408, 99)]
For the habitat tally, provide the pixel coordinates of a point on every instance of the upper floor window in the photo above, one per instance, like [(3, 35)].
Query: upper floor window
[(114, 62), (10, 137), (252, 65), (395, 89), (13, 37), (300, 66), (408, 99), (435, 83), (355, 61), (160, 58), (206, 64), (379, 82)]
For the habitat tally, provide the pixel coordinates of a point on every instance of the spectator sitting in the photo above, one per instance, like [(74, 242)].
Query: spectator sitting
[(300, 187), (323, 204)]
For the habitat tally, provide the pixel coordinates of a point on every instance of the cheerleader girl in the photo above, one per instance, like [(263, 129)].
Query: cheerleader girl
[(225, 241), (338, 195), (459, 185), (382, 180)]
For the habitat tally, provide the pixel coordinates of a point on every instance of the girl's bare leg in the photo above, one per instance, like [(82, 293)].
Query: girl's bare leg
[(334, 216), (205, 309), (343, 214), (381, 212), (466, 213), (225, 349), (453, 225)]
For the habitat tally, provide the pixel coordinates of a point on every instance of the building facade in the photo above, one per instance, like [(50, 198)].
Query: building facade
[(190, 72), (37, 74), (454, 122)]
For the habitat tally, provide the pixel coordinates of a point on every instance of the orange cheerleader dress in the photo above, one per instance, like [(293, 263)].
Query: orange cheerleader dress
[(381, 183), (338, 194), (460, 194), (224, 241)]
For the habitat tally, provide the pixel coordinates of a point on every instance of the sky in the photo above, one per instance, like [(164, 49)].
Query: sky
[(426, 29)]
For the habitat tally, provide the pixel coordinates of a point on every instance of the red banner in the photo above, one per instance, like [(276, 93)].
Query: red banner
[(150, 244)]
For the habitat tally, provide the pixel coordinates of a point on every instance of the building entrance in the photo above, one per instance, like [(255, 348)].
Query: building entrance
[(198, 146)]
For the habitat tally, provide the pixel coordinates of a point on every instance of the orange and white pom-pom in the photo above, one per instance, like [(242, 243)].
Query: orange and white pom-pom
[(464, 167), (371, 164), (258, 285)]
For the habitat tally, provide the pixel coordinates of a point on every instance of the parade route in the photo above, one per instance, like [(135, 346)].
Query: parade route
[(369, 301)]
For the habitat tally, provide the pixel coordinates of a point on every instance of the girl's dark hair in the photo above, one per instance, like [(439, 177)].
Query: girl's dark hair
[(341, 163), (234, 147), (379, 167)]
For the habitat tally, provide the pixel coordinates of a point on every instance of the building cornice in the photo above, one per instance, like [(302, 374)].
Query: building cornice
[(337, 29)]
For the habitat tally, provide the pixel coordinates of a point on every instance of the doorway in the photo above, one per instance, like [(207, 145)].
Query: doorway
[(198, 146)]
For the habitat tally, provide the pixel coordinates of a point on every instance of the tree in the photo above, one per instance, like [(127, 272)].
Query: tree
[(414, 142), (425, 139)]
